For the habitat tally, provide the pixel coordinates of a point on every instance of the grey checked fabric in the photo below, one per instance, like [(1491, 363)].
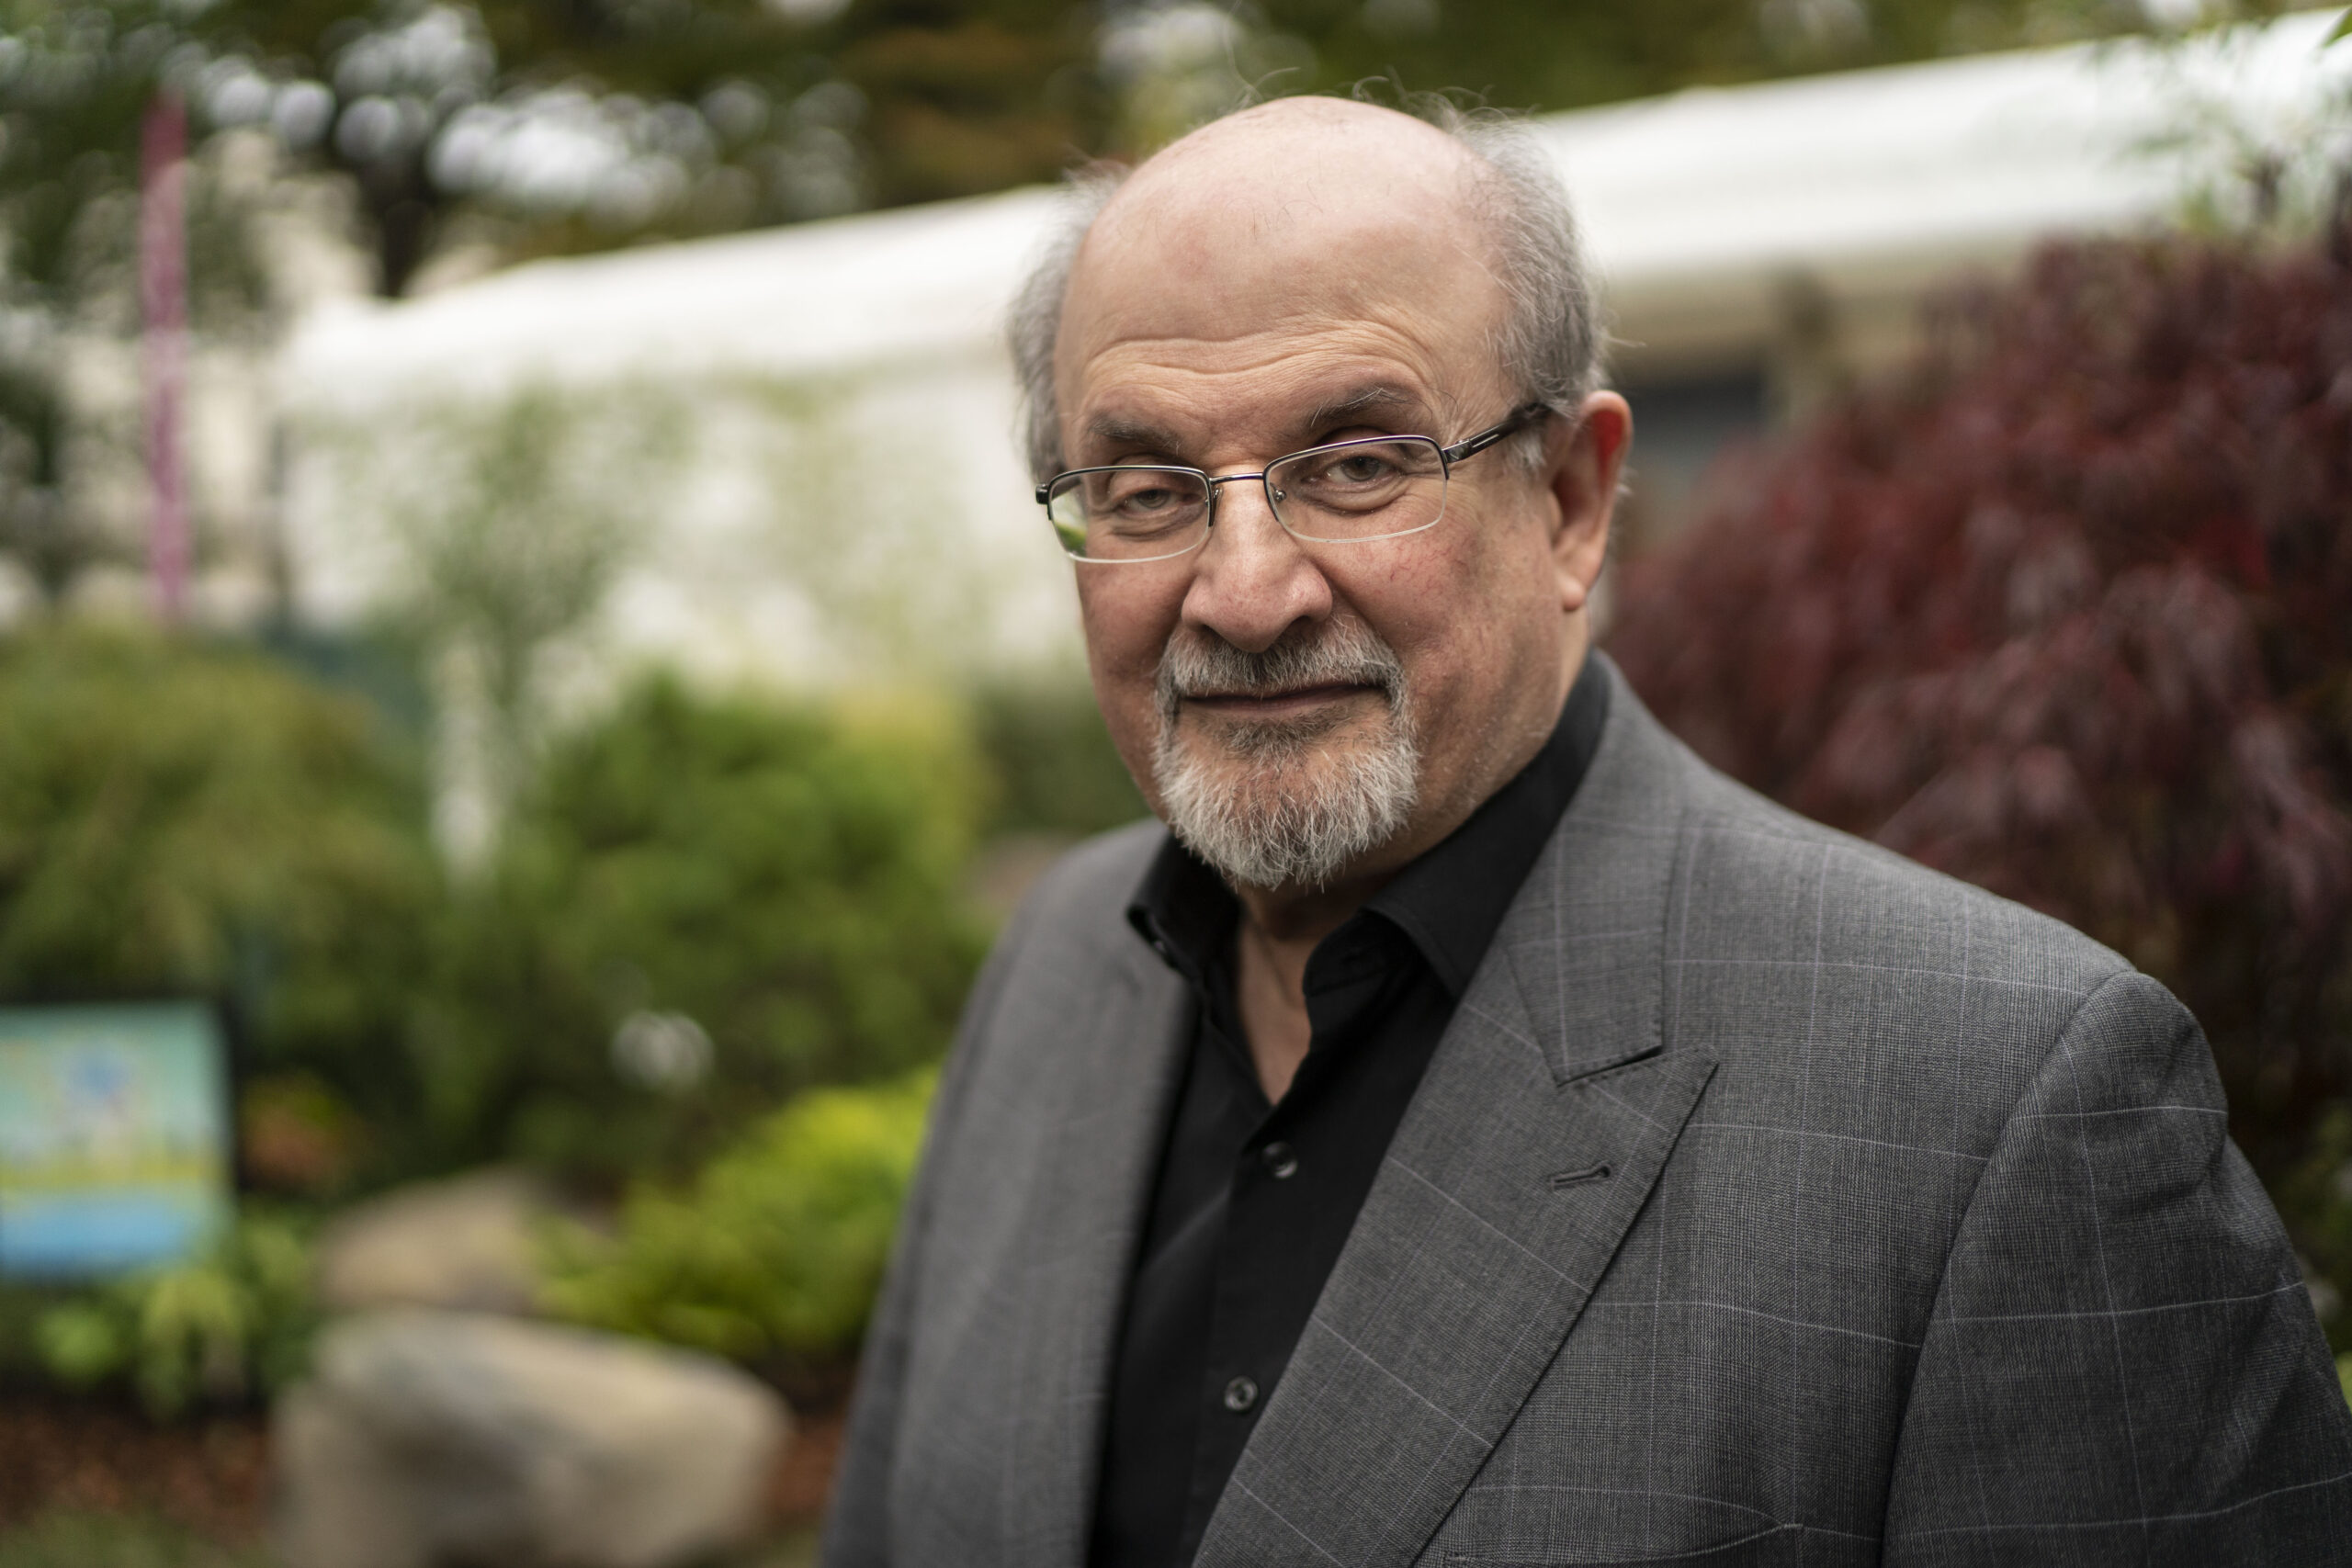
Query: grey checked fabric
[(1770, 1201)]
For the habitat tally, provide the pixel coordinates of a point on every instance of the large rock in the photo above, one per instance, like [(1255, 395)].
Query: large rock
[(435, 1439), (469, 1242)]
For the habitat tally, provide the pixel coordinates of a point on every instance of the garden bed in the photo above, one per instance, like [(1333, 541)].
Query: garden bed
[(95, 1484)]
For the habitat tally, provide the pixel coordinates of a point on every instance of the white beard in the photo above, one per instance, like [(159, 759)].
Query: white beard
[(1279, 804)]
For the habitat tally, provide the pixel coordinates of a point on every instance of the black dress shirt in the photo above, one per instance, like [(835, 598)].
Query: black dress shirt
[(1254, 1201)]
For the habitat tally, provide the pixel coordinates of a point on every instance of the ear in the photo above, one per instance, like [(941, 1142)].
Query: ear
[(1582, 465)]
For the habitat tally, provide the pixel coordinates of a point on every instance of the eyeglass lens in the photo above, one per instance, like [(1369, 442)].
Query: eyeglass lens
[(1350, 491)]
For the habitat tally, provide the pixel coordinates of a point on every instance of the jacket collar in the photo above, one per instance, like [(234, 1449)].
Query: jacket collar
[(1545, 1117)]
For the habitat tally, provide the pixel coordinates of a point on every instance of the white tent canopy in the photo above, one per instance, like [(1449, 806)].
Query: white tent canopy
[(1699, 209), (1900, 169)]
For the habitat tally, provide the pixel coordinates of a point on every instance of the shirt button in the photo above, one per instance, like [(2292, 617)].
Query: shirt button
[(1240, 1395), (1281, 1161)]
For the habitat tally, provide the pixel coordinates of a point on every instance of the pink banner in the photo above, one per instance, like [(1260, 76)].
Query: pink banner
[(162, 299)]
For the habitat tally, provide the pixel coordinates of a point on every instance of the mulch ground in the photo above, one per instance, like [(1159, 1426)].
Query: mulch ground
[(212, 1477), (805, 1478)]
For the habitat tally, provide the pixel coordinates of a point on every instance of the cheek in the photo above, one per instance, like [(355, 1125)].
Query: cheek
[(1126, 627), (1463, 616)]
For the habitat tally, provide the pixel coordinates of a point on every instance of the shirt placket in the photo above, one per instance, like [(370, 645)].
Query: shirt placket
[(1273, 1186)]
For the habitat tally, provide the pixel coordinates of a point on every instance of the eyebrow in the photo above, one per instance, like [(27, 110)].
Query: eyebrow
[(1378, 396), (1133, 433)]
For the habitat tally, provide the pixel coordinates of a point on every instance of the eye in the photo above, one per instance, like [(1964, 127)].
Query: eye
[(1156, 498), (1143, 500), (1348, 468), (1144, 495)]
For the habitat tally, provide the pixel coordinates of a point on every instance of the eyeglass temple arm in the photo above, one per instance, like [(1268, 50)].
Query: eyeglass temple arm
[(1470, 446)]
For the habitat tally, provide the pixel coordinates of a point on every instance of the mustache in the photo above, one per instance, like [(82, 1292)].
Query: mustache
[(1336, 653)]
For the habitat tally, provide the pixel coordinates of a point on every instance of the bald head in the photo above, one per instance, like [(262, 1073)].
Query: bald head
[(1271, 166), (1303, 222), (1331, 196)]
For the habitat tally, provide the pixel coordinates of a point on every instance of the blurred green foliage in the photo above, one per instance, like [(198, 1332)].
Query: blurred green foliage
[(785, 875), (185, 819), (231, 1325), (75, 81), (774, 1253), (1557, 54), (78, 1539), (178, 818), (1052, 761), (712, 115), (2316, 1197)]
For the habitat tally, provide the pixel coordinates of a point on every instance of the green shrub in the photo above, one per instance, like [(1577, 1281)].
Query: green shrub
[(788, 877), (2316, 1197), (774, 1253), (182, 819), (1053, 763), (179, 818), (235, 1324), (63, 1538)]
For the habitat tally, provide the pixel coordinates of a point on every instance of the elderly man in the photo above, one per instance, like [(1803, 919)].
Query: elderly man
[(1472, 1131)]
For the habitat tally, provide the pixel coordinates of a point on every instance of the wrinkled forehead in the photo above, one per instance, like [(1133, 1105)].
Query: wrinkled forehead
[(1302, 226)]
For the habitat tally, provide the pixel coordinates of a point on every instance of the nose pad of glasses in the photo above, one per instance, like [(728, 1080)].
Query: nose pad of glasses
[(1216, 493)]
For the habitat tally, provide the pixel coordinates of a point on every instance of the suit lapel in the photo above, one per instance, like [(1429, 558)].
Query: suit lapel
[(1084, 1217), (1546, 1114)]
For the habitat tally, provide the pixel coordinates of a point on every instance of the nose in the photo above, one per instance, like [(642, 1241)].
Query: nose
[(1253, 580)]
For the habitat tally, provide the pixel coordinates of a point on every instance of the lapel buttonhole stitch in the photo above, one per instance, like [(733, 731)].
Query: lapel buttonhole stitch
[(1568, 1178)]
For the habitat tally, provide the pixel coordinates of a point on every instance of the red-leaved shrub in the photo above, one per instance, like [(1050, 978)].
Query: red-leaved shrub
[(2066, 610)]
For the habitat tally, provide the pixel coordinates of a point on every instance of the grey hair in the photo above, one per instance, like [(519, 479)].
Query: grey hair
[(1551, 343), (1035, 321)]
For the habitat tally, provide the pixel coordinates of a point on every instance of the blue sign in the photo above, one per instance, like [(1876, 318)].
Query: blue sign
[(113, 1138)]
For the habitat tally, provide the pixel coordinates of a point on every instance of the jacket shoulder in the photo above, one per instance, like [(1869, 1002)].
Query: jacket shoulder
[(1759, 875), (1850, 993), (1082, 899)]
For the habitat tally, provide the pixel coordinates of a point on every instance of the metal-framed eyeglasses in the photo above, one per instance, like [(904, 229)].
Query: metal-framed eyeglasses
[(1346, 492)]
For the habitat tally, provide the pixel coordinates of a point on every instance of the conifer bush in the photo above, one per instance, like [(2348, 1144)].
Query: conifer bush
[(774, 1254), (2066, 610), (782, 880), (187, 818)]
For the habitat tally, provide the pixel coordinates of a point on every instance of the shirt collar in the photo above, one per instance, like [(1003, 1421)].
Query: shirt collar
[(1449, 902), (1184, 909)]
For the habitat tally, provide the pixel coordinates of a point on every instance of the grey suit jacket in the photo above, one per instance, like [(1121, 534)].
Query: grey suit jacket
[(1768, 1199)]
